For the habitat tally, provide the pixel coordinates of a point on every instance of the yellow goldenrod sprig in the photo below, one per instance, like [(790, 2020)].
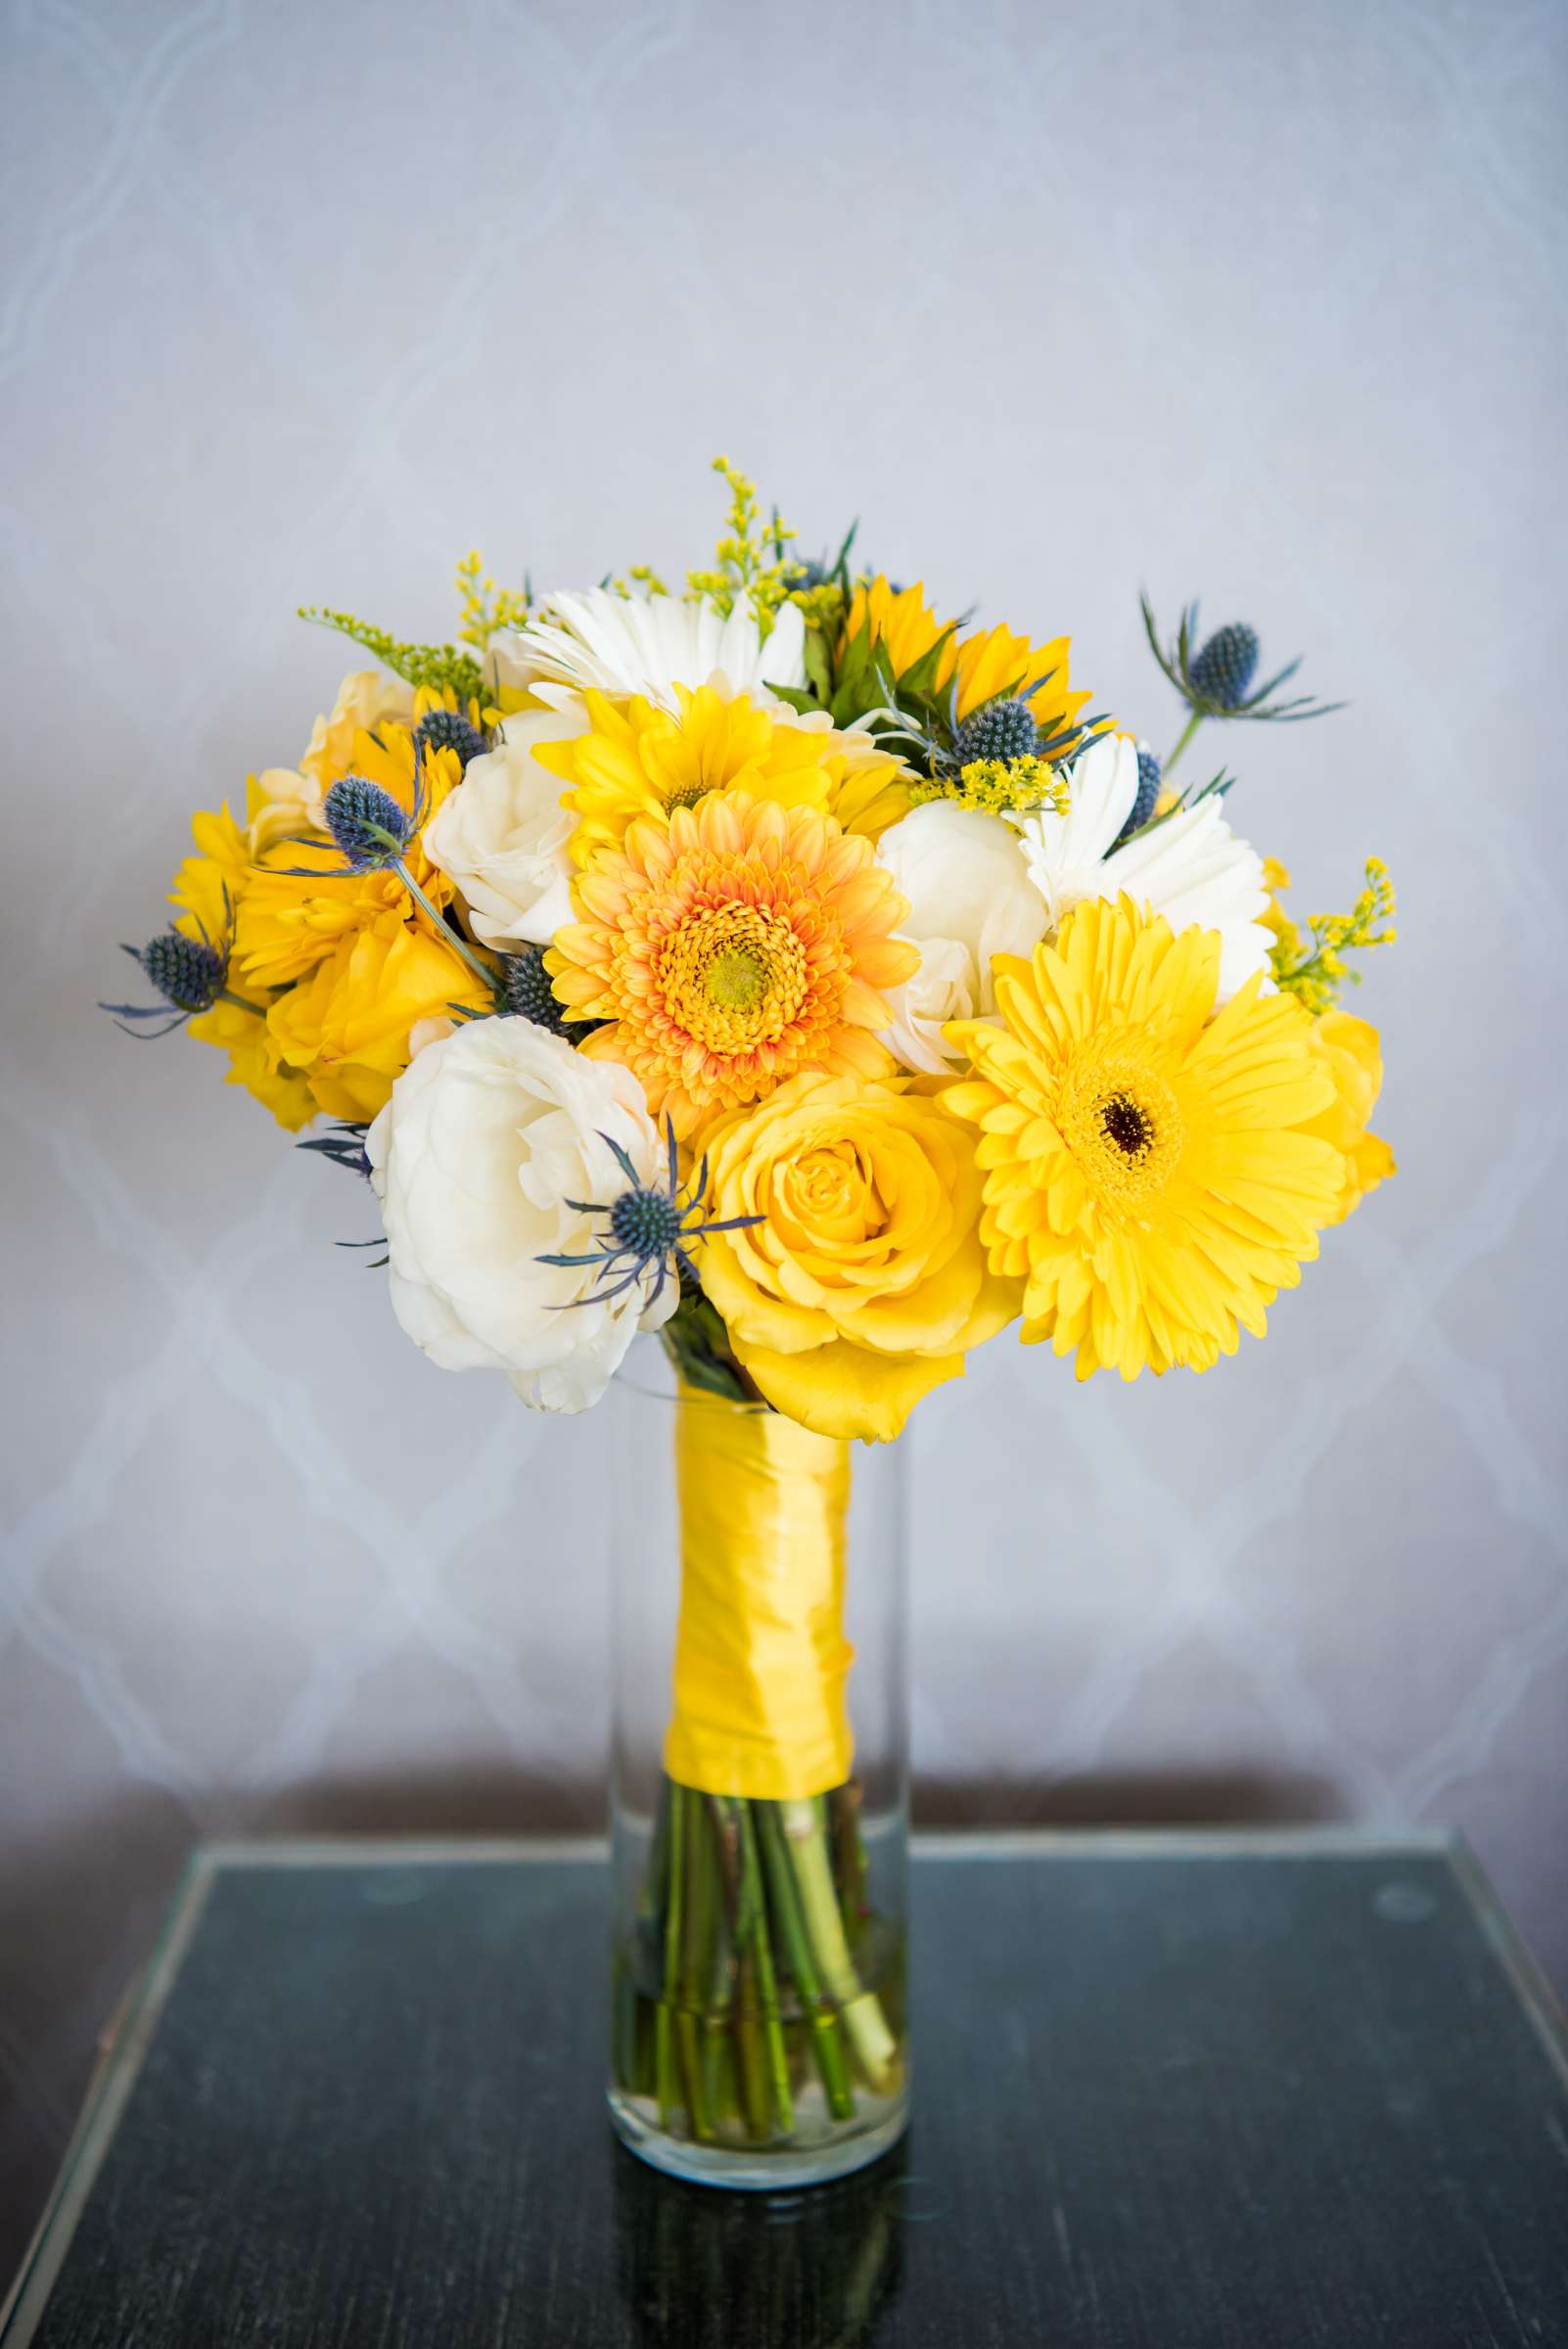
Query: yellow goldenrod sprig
[(749, 559), (484, 607), (641, 574), (999, 786), (1315, 968), (437, 666)]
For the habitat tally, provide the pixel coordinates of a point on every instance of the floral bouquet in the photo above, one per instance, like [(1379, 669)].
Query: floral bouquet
[(825, 987)]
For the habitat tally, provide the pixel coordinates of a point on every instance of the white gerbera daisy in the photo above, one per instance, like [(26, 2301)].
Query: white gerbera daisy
[(602, 642), (1191, 867)]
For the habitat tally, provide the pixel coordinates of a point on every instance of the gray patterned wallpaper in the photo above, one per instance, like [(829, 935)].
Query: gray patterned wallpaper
[(300, 302)]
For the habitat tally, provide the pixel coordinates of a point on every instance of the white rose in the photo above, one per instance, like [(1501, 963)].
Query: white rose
[(488, 1134), (501, 838), (970, 897)]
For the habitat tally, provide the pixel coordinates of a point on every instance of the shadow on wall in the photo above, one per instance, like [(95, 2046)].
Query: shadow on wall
[(1205, 1798)]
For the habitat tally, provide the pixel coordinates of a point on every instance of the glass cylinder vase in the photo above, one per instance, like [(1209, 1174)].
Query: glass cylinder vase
[(759, 1789)]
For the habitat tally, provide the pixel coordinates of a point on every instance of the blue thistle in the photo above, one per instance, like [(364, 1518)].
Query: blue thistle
[(1004, 730), (1217, 679), (529, 996), (189, 972), (449, 730), (369, 828), (1147, 793), (1222, 669), (651, 1229)]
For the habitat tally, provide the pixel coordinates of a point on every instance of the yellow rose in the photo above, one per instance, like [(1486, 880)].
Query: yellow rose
[(1350, 1048), (346, 1023), (864, 1284)]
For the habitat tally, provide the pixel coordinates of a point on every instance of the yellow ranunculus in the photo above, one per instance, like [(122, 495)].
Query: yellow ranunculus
[(346, 1023), (301, 899), (864, 1284), (366, 699), (1350, 1048), (282, 801), (207, 886), (253, 1062), (207, 890)]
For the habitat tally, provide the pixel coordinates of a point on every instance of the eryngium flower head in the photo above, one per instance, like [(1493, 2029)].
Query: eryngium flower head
[(449, 730), (1223, 667), (651, 1229), (370, 829), (1001, 730), (1147, 795), (187, 972), (527, 990), (1217, 679)]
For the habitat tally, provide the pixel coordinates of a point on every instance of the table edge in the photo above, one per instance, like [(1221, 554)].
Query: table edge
[(109, 2092)]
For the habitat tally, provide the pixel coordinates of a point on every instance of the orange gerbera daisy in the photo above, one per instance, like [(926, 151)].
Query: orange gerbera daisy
[(731, 946), (993, 662)]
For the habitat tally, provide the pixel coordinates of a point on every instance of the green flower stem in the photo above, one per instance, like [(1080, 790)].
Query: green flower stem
[(717, 1954), (227, 994), (759, 1950), (664, 2024), (400, 868), (734, 2007), (842, 1810), (751, 2055), (806, 1840), (1182, 740), (697, 1892), (785, 1893)]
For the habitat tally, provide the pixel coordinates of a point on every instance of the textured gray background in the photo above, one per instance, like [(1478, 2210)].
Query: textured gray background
[(303, 300)]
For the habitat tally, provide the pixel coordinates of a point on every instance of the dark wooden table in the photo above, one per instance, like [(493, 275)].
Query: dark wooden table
[(1172, 2089)]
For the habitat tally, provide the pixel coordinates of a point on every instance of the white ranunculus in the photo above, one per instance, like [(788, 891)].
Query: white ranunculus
[(501, 839), (970, 897), (603, 642), (1191, 867), (490, 1134)]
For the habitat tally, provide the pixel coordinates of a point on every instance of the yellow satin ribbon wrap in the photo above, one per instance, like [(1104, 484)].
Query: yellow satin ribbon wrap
[(761, 1655)]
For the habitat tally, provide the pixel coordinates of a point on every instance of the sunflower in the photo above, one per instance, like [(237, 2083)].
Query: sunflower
[(729, 947), (1147, 1173), (637, 758), (985, 666)]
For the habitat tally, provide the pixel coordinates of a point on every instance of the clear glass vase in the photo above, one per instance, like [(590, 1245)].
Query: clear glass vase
[(759, 1789)]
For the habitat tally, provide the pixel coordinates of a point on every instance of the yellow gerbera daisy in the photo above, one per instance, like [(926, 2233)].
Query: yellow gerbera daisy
[(731, 946), (637, 758), (1147, 1173), (984, 666)]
